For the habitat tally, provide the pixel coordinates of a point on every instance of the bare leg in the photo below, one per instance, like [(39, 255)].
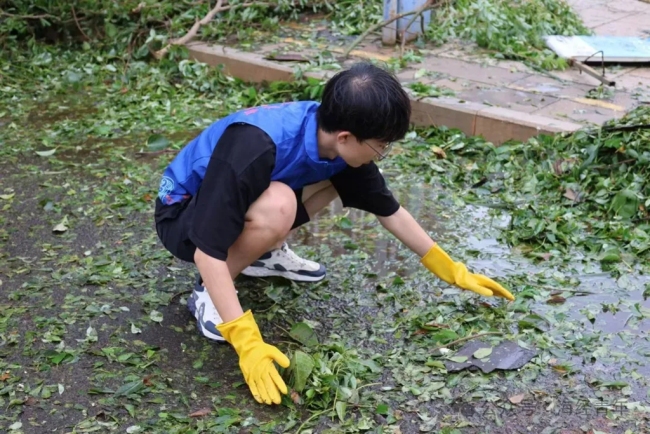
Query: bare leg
[(268, 221), (280, 260), (319, 197)]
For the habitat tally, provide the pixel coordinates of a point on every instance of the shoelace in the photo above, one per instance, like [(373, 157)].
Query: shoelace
[(291, 256)]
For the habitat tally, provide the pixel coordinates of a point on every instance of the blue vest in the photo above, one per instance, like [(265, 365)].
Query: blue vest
[(292, 127)]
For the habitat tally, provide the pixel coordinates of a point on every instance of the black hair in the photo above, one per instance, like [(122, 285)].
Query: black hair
[(367, 101)]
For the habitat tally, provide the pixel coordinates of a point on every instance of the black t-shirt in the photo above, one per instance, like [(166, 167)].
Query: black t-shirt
[(238, 173)]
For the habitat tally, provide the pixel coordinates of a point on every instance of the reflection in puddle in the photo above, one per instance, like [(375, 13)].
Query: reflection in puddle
[(470, 233)]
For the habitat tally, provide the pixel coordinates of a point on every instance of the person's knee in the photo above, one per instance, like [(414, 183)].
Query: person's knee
[(274, 211)]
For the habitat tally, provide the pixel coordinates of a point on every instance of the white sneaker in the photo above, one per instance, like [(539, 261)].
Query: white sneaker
[(207, 318), (284, 262)]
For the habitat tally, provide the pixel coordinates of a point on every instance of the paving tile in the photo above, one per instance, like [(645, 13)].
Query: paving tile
[(642, 72), (600, 14), (525, 102), (632, 82), (456, 85), (634, 6), (577, 112), (548, 86), (578, 5), (624, 99), (573, 74), (633, 25), (471, 71)]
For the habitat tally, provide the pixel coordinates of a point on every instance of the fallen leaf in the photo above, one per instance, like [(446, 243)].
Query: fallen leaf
[(5, 377), (46, 153), (155, 316), (482, 353), (202, 412), (571, 194), (516, 399), (440, 153), (156, 142), (557, 299), (62, 226)]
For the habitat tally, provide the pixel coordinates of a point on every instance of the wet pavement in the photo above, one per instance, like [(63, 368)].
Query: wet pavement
[(462, 71)]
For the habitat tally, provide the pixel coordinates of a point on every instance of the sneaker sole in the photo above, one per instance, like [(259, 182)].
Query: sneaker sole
[(208, 334), (267, 272)]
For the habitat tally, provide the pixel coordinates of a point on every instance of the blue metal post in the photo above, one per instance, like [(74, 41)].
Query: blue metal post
[(393, 7)]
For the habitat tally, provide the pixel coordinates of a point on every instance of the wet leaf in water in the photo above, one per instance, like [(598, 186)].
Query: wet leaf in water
[(556, 299)]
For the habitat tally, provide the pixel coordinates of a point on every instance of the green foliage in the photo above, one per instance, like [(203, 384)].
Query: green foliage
[(587, 189), (140, 26), (511, 29), (352, 17)]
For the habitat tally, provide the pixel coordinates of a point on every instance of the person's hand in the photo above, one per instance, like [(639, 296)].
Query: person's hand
[(256, 358), (455, 273)]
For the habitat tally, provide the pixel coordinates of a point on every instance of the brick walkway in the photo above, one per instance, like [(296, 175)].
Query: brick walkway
[(509, 90), (559, 94), (562, 95)]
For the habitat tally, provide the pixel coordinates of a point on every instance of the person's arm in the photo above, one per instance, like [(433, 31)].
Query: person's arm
[(219, 284), (238, 173), (404, 227), (365, 188)]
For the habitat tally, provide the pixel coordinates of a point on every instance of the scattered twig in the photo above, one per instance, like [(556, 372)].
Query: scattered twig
[(76, 21), (178, 294), (466, 338), (27, 17), (163, 151), (197, 25)]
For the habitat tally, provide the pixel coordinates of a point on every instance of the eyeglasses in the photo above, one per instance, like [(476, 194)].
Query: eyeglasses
[(385, 150)]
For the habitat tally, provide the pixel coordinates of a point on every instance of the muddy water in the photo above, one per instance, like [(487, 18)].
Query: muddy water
[(607, 310)]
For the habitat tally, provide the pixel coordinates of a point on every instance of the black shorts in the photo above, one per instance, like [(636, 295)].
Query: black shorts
[(173, 224)]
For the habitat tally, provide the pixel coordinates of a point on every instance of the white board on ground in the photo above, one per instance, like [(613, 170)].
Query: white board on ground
[(617, 49)]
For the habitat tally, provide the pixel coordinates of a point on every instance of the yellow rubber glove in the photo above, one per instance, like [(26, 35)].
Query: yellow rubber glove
[(256, 358), (455, 273)]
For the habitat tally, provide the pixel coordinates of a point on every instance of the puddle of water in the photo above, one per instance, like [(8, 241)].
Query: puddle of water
[(608, 310)]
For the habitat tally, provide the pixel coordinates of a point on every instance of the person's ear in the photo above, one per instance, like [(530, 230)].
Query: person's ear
[(344, 137)]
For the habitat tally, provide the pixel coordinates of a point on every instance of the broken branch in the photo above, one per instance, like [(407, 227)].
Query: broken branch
[(27, 17), (197, 25)]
